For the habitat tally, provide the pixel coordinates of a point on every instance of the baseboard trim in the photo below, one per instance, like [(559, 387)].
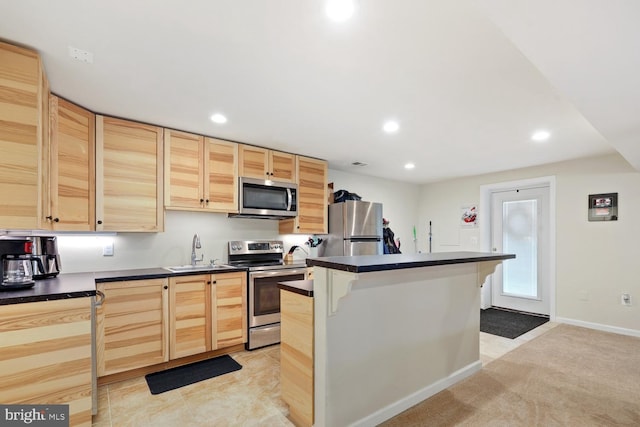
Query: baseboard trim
[(599, 326), (417, 397)]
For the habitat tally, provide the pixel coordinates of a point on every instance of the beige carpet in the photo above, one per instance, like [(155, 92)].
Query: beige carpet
[(569, 376)]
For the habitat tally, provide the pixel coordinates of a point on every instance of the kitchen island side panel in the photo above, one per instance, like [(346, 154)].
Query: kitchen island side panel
[(395, 338)]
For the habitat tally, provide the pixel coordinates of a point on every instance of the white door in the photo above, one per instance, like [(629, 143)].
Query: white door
[(520, 225)]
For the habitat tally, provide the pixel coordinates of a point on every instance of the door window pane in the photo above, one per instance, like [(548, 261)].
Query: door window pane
[(520, 237)]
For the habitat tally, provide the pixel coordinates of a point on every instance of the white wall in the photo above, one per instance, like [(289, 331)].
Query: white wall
[(400, 201), (172, 247), (596, 261)]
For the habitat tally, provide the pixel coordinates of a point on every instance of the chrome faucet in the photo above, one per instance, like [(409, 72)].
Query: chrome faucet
[(195, 244)]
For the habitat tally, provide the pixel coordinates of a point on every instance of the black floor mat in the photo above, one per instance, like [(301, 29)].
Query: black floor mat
[(508, 324), (173, 378)]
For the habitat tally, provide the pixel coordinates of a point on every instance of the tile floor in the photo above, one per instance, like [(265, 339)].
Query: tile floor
[(248, 397)]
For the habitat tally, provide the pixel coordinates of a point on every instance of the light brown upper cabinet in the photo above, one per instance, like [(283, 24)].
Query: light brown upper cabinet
[(24, 101), (129, 171), (312, 199), (200, 173), (71, 159), (260, 163)]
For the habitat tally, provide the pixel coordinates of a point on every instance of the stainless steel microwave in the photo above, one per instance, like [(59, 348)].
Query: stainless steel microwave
[(266, 199)]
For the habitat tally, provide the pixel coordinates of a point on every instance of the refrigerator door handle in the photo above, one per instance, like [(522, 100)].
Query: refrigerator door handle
[(364, 238)]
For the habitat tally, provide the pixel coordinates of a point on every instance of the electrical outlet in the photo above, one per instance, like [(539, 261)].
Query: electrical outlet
[(625, 299), (107, 249)]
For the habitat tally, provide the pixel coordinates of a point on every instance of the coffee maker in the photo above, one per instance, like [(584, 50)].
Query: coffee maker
[(16, 267), (45, 260)]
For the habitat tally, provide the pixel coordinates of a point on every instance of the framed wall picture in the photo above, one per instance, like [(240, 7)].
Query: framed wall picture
[(603, 207), (469, 216)]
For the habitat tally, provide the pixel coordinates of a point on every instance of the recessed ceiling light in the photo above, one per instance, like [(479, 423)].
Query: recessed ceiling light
[(541, 135), (391, 126), (218, 118), (340, 10), (409, 166)]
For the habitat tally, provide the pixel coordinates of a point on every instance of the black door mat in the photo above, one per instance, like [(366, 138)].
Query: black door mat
[(507, 323), (173, 378)]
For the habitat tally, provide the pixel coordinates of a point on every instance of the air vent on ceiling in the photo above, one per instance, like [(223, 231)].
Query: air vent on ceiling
[(81, 55), (358, 164)]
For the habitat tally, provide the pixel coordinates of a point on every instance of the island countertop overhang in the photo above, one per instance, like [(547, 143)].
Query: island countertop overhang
[(371, 263)]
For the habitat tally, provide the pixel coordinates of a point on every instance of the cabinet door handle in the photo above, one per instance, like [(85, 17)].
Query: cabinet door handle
[(166, 287), (209, 282), (102, 296), (99, 221), (215, 281), (56, 219), (49, 218), (201, 200), (207, 201)]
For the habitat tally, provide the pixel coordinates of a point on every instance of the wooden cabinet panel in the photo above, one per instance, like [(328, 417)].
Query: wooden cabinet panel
[(129, 172), (71, 189), (23, 115), (46, 355), (190, 315), (312, 199), (132, 325), (201, 174), (260, 163), (184, 154), (297, 356), (254, 162), (207, 312), (283, 166), (229, 298), (312, 195), (221, 175)]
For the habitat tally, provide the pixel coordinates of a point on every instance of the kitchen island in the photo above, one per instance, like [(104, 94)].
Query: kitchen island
[(393, 330)]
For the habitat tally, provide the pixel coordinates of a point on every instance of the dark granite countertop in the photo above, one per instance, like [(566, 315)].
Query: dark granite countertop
[(302, 287), (133, 274), (369, 263), (73, 285), (153, 273)]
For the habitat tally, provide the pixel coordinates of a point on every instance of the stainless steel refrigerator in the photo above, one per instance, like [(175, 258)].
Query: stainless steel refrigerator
[(355, 228)]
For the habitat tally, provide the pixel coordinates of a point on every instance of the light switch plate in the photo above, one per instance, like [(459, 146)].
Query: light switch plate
[(107, 249)]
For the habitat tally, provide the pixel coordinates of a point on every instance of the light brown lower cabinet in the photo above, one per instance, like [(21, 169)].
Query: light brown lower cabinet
[(190, 315), (229, 297), (131, 326), (296, 356), (207, 312), (147, 322), (46, 355)]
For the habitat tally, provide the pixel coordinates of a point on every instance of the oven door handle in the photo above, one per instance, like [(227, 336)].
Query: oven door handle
[(274, 273)]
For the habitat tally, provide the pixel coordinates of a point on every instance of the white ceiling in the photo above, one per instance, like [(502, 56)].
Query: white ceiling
[(468, 81)]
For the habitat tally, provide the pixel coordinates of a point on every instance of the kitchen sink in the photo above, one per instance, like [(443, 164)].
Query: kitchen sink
[(187, 268)]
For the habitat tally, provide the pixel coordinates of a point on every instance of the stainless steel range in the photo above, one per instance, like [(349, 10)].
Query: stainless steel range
[(264, 260)]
